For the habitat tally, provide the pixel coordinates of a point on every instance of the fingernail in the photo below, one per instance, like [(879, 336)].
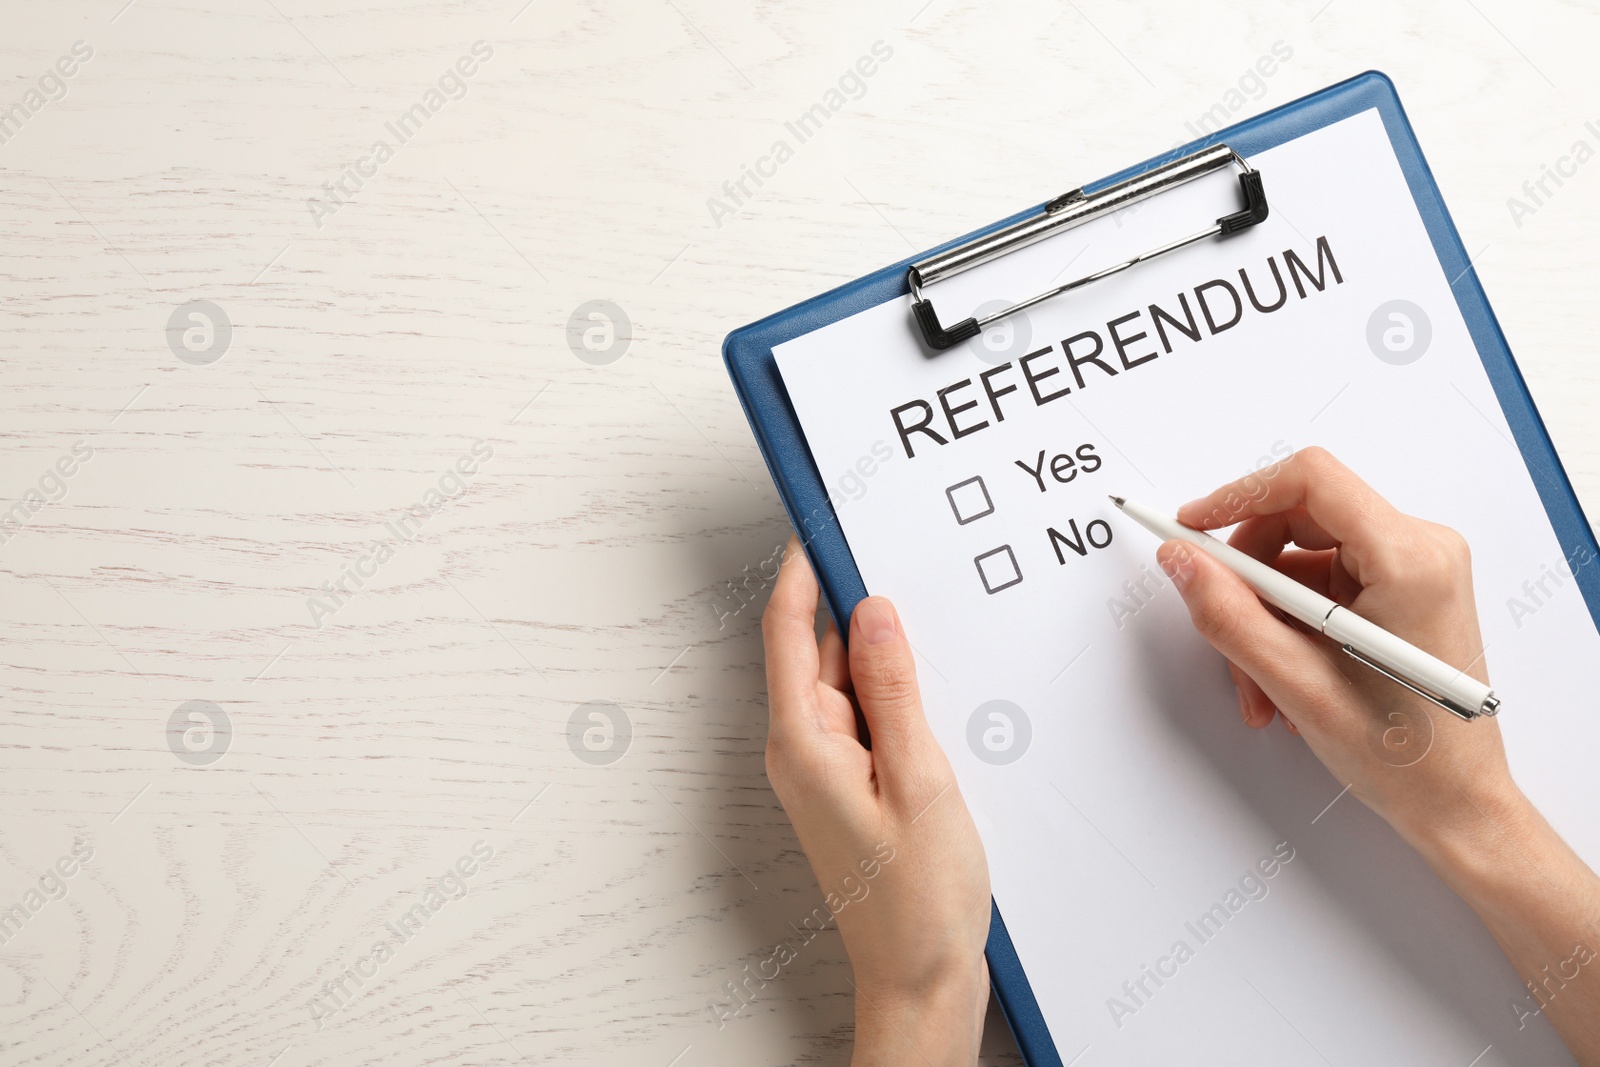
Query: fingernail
[(877, 621), (1244, 708)]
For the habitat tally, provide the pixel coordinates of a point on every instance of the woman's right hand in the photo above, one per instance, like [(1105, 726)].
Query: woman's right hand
[(1441, 782), (1415, 764)]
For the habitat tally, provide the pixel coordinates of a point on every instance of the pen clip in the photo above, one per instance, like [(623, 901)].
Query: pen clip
[(1451, 706)]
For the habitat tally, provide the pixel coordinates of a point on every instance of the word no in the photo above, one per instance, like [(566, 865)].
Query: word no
[(1095, 534)]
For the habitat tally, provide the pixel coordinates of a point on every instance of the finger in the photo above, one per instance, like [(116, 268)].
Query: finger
[(1263, 536), (833, 709), (885, 679), (834, 660), (788, 628), (1371, 531), (1255, 707), (1319, 570), (1322, 571), (1310, 569), (1233, 619), (1342, 586)]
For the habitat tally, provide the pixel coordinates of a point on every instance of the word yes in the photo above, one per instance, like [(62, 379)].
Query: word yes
[(1063, 467)]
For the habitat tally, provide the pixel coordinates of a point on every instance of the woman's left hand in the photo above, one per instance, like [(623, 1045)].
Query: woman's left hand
[(895, 851)]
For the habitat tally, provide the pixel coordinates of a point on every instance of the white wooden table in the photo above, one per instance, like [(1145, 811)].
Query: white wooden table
[(235, 873)]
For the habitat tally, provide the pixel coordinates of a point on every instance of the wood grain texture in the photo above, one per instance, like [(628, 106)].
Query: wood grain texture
[(372, 347)]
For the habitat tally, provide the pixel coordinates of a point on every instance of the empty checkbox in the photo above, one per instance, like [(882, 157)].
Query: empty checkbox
[(998, 569), (969, 500)]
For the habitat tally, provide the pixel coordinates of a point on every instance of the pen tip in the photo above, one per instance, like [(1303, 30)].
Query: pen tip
[(1118, 501)]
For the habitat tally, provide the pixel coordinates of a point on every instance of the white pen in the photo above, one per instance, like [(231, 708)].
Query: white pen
[(1454, 690)]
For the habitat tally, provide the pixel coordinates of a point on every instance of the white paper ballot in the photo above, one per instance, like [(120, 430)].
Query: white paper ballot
[(1181, 889)]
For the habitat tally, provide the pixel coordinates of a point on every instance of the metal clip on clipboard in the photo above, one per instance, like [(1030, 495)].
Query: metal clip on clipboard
[(1074, 209)]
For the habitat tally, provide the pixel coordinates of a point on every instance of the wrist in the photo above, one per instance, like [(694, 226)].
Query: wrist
[(1492, 832), (938, 1023)]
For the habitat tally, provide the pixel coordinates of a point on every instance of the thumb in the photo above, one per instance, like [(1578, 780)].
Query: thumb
[(1228, 614), (884, 677)]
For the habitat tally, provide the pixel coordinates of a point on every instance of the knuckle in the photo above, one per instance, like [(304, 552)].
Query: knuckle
[(1217, 620), (1317, 462), (1440, 559), (774, 615), (1455, 545), (800, 776), (782, 765), (886, 680), (1320, 467), (775, 768), (1427, 555)]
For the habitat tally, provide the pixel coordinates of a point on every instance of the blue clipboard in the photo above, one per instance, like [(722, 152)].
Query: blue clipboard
[(748, 355)]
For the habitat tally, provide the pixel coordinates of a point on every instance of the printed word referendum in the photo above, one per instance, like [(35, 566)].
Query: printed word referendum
[(1132, 338)]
